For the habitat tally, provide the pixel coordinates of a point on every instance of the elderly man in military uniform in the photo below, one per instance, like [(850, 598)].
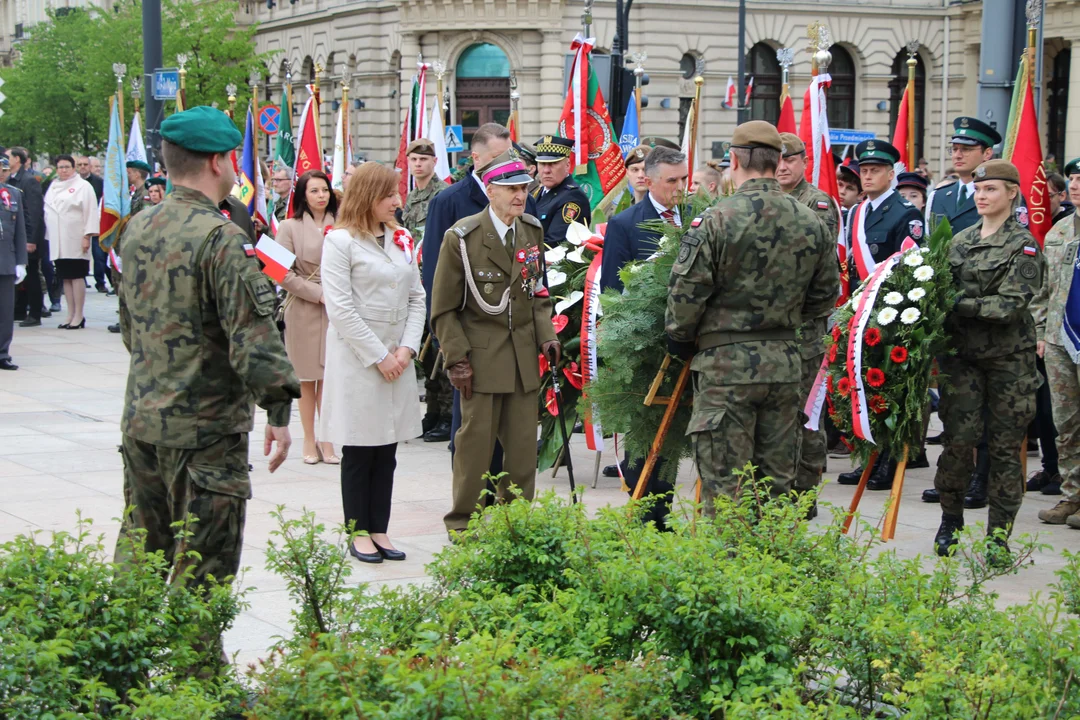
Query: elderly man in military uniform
[(791, 174), (197, 317), (749, 272), (559, 200), (876, 228), (492, 315), (13, 259)]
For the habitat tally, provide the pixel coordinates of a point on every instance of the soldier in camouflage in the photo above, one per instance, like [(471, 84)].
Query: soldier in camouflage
[(1061, 246), (196, 315), (998, 269), (750, 272), (791, 174), (137, 173)]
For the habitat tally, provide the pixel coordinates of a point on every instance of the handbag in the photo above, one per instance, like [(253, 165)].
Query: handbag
[(280, 315)]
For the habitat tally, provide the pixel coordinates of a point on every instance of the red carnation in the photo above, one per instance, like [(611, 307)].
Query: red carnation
[(327, 229), (559, 322), (544, 367), (832, 354), (828, 383), (872, 337), (898, 355), (550, 403), (844, 386), (878, 404), (829, 404), (836, 333), (573, 375), (875, 377)]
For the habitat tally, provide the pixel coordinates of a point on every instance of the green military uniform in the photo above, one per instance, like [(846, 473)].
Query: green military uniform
[(414, 213), (752, 270), (196, 315), (992, 378), (489, 306), (813, 453), (281, 207)]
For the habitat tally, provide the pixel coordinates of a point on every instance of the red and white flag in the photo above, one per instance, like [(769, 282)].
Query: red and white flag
[(277, 261), (749, 90), (729, 94)]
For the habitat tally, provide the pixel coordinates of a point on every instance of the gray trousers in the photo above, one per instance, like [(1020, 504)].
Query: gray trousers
[(7, 314)]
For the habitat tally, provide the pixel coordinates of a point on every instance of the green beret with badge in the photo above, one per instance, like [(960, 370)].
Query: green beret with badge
[(637, 155), (1072, 167), (756, 134), (655, 142), (151, 181), (792, 144), (997, 170), (139, 165), (201, 129), (421, 146), (972, 131)]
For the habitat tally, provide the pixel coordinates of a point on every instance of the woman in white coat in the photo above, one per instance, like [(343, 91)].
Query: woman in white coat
[(375, 302), (71, 221)]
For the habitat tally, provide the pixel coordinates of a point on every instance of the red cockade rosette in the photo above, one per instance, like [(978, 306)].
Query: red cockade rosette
[(881, 349)]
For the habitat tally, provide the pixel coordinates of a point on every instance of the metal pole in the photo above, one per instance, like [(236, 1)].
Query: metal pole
[(151, 28), (742, 114), (912, 48)]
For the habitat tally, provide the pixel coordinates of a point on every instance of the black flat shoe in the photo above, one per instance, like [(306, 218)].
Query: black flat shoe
[(387, 553), (365, 557)]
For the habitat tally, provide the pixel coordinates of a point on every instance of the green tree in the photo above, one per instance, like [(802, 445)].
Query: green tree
[(59, 88)]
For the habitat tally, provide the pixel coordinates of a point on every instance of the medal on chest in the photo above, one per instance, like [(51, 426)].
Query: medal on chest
[(5, 196), (532, 273)]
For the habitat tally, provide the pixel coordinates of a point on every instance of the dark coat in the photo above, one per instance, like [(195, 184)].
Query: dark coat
[(887, 227), (33, 206), (625, 241), (944, 204), (98, 184), (558, 207), (461, 200)]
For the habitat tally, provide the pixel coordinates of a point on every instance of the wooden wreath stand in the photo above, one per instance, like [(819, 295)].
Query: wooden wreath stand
[(672, 404), (888, 529)]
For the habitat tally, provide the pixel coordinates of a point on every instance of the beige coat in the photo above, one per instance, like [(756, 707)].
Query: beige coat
[(375, 303), (71, 212), (306, 321)]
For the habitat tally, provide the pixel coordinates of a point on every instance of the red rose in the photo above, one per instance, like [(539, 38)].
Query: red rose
[(878, 404), (832, 354), (559, 322), (544, 367), (836, 333), (875, 377), (872, 337), (844, 386), (898, 355), (573, 375), (550, 403)]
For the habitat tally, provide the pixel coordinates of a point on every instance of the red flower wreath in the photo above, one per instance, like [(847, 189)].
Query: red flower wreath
[(843, 387), (872, 337), (878, 404), (898, 355), (875, 377), (544, 366), (828, 384), (836, 333), (832, 354)]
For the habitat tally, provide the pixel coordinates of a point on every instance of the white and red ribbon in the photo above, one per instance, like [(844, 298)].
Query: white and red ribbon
[(579, 80), (864, 259), (819, 122), (594, 434), (405, 241)]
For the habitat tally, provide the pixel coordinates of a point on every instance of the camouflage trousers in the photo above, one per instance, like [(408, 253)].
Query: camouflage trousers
[(1064, 377), (210, 486), (812, 455), (997, 394), (737, 424), (438, 394)]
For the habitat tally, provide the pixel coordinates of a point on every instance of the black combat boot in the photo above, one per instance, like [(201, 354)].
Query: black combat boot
[(946, 538), (882, 477), (920, 462), (976, 494), (850, 478), (931, 495), (439, 433)]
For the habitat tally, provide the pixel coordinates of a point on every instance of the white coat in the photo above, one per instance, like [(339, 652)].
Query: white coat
[(375, 302), (71, 213)]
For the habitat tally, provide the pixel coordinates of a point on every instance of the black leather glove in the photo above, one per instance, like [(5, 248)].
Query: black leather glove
[(681, 350)]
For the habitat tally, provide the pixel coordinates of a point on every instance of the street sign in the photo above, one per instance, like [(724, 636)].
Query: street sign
[(166, 83), (849, 137), (454, 141), (269, 119)]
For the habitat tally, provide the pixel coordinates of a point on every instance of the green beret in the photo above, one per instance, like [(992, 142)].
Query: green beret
[(155, 181), (1072, 167), (201, 129), (756, 133), (792, 144), (139, 165), (997, 170), (421, 146)]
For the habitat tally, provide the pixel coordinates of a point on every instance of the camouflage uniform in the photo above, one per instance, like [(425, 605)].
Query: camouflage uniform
[(813, 455), (196, 315), (992, 378), (438, 394), (749, 272), (1061, 246)]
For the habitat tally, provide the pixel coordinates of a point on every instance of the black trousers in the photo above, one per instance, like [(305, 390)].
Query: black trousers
[(1043, 424), (367, 485), (29, 301)]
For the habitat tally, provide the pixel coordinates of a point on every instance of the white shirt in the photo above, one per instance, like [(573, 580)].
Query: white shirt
[(500, 227), (969, 189), (660, 209), (876, 202)]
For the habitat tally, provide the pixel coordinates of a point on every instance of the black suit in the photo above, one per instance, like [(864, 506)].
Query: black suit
[(626, 240), (560, 206), (28, 303), (887, 227)]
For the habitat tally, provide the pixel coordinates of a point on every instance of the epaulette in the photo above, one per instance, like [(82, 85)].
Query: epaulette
[(467, 225), (526, 217)]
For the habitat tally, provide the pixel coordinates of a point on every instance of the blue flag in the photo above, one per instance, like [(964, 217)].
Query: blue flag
[(248, 167), (629, 139), (1070, 330)]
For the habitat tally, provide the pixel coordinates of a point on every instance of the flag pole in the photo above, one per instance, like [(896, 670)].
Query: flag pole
[(230, 92), (253, 80), (120, 69), (346, 79), (785, 56), (698, 82), (912, 48), (181, 96), (136, 84), (1033, 12)]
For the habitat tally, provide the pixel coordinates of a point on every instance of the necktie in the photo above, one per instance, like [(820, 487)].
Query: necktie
[(669, 217), (962, 196), (509, 242)]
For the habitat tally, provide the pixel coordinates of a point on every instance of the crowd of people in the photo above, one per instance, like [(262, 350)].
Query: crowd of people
[(459, 268)]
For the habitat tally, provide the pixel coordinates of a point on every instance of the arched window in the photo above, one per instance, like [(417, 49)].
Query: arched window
[(841, 103), (1058, 106), (482, 88), (896, 93), (762, 65), (483, 60)]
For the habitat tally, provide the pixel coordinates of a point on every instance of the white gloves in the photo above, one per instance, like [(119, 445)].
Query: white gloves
[(20, 273)]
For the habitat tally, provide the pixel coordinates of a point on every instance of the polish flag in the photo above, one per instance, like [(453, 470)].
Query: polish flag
[(729, 94), (276, 259), (749, 90)]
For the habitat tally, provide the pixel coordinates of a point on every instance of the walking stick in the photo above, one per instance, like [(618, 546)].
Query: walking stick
[(562, 428)]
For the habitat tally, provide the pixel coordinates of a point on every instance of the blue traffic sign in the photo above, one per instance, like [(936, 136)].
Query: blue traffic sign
[(454, 139), (166, 83), (849, 137), (269, 119)]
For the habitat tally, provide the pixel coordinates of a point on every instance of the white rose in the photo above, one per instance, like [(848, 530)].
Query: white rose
[(916, 294), (924, 273), (913, 259), (886, 316), (910, 315), (894, 298)]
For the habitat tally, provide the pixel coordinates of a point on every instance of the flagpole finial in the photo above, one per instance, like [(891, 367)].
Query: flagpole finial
[(439, 67), (181, 60), (699, 81), (136, 86), (786, 57), (287, 64), (119, 70), (813, 35), (1033, 11)]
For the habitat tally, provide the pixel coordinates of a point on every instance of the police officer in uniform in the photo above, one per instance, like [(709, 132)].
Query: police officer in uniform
[(13, 259), (973, 144), (197, 317), (492, 315), (876, 229), (559, 200)]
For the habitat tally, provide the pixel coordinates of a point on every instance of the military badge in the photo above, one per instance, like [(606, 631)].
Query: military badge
[(980, 172), (915, 229), (570, 212), (822, 205), (1022, 215), (249, 250), (684, 253), (870, 145), (783, 149), (1028, 270), (1031, 251), (963, 122), (226, 214), (6, 197), (520, 256), (488, 288)]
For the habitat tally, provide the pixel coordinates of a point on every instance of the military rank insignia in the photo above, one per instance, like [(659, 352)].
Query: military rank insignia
[(570, 212), (684, 253)]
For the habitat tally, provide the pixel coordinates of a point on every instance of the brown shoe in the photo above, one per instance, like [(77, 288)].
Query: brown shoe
[(1073, 521), (1064, 512)]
